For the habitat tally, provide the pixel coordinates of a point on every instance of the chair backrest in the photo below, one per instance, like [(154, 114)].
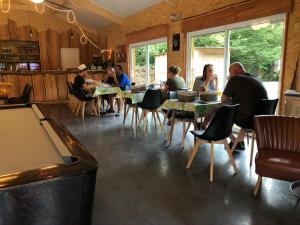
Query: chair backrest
[(26, 93), (70, 88), (221, 124), (277, 133), (152, 99), (267, 107)]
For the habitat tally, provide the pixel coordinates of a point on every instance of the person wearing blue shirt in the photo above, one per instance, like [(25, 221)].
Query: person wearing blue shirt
[(117, 78)]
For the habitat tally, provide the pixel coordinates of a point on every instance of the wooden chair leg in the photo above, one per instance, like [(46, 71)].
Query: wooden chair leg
[(183, 134), (172, 128), (79, 106), (247, 134), (132, 116), (252, 148), (146, 121), (142, 117), (193, 154), (154, 116), (211, 175), (136, 108), (240, 137), (185, 131), (126, 111), (159, 120), (258, 185), (230, 156), (83, 109)]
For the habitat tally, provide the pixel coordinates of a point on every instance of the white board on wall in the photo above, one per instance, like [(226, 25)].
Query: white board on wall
[(69, 58)]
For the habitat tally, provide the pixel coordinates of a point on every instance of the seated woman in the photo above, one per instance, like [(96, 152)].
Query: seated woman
[(208, 82), (174, 82)]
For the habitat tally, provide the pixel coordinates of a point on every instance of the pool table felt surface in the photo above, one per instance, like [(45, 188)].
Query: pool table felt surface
[(24, 143)]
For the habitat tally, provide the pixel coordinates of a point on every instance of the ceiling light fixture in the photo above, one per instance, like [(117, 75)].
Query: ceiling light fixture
[(37, 1)]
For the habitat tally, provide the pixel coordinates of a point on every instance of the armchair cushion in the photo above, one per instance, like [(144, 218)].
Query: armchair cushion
[(278, 164)]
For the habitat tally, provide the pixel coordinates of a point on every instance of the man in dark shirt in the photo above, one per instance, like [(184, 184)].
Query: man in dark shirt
[(246, 90), (79, 83)]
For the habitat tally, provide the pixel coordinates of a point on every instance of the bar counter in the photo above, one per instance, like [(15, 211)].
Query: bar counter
[(48, 86)]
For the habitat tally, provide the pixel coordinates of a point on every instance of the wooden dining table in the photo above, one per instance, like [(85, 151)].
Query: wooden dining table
[(200, 109), (99, 91)]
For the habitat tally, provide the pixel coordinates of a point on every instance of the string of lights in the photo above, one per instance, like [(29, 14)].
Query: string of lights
[(40, 7)]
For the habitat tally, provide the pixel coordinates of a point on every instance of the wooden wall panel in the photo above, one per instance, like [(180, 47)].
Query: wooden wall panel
[(83, 53), (15, 86), (62, 86), (23, 80), (151, 33), (248, 10), (4, 32), (43, 42), (53, 50), (91, 52), (74, 42), (12, 27), (64, 41), (71, 77), (51, 87), (38, 88)]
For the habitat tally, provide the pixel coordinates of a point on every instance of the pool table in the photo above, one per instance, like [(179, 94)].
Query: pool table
[(46, 175)]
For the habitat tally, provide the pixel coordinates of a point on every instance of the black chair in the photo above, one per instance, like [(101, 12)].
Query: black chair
[(217, 132), (265, 107), (24, 98), (151, 102)]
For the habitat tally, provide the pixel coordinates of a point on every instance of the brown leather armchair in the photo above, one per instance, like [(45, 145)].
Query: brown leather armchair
[(278, 142)]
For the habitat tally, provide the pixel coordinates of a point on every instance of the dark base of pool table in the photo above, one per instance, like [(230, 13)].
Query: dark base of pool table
[(62, 201)]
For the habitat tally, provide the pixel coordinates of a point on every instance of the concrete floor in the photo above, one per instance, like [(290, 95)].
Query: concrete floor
[(140, 181)]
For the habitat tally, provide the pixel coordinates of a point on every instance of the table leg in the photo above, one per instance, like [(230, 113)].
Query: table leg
[(195, 126), (172, 126), (125, 114)]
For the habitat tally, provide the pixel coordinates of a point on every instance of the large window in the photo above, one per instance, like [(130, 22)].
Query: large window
[(257, 44), (148, 62)]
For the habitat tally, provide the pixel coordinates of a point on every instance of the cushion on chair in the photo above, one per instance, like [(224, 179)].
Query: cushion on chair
[(278, 164), (184, 115)]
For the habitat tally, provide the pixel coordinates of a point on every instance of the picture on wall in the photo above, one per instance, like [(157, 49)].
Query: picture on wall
[(176, 42), (121, 54)]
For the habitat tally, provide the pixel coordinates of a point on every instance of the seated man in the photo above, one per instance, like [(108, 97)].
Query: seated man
[(244, 89), (119, 79), (81, 88)]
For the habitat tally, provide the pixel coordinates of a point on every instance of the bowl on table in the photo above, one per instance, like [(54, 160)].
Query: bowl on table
[(187, 96), (209, 96)]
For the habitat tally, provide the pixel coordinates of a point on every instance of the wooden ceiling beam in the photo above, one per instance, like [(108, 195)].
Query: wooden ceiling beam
[(59, 16), (98, 10)]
